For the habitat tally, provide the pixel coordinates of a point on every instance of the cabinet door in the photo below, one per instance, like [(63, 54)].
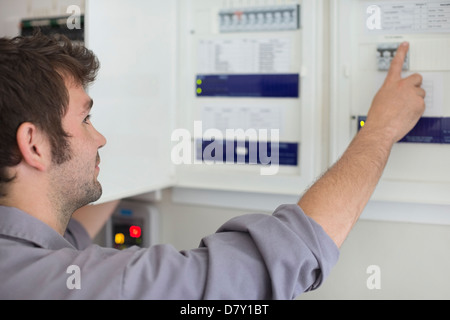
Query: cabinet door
[(134, 94)]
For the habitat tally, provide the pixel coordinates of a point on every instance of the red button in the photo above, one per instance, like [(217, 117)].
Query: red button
[(135, 231)]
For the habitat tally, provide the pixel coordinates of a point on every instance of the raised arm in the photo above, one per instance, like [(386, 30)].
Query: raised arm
[(338, 198)]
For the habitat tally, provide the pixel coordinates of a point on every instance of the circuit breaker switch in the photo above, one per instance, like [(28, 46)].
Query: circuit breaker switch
[(265, 18), (385, 54)]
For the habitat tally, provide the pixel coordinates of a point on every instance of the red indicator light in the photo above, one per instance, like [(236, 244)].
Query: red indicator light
[(135, 231)]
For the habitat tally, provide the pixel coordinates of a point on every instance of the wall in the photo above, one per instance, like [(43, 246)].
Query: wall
[(10, 14), (414, 261)]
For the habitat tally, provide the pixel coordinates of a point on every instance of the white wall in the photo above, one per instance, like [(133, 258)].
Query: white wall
[(414, 260), (11, 12)]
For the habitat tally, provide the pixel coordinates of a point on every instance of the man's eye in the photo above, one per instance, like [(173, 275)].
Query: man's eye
[(87, 119)]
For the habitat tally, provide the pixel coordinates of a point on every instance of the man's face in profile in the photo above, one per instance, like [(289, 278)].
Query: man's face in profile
[(76, 179)]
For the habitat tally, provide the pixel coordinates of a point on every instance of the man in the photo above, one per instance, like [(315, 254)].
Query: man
[(49, 166)]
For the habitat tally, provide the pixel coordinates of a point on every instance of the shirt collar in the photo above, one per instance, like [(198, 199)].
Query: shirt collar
[(15, 223)]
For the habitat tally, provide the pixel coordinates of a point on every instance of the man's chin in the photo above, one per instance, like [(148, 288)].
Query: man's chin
[(95, 194), (99, 192)]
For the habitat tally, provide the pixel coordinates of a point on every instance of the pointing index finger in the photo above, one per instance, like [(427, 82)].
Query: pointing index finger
[(395, 70)]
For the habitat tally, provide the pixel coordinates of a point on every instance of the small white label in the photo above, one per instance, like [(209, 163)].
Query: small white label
[(407, 17)]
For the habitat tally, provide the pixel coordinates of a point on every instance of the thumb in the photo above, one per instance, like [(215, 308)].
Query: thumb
[(395, 70)]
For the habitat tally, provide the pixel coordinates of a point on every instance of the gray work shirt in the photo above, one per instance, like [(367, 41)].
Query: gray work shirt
[(254, 256)]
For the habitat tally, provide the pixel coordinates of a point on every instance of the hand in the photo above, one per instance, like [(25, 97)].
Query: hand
[(399, 104)]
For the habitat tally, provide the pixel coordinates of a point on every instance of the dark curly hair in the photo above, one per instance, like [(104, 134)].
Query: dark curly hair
[(33, 75)]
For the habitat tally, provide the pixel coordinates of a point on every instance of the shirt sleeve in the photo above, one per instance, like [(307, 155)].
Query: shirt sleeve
[(77, 235), (250, 257)]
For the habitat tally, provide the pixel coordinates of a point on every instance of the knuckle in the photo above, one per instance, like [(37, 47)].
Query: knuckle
[(418, 76)]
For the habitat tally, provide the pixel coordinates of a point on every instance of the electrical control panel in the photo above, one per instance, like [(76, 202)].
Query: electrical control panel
[(54, 25), (367, 34), (249, 95), (133, 223)]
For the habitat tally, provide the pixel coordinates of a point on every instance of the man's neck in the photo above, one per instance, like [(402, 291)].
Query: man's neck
[(35, 202)]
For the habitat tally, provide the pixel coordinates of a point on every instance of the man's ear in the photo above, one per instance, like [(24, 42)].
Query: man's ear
[(34, 146)]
